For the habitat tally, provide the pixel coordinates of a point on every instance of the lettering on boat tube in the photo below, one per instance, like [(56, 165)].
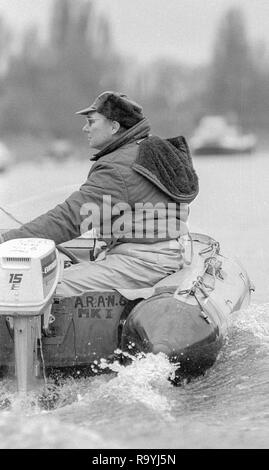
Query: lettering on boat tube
[(99, 306)]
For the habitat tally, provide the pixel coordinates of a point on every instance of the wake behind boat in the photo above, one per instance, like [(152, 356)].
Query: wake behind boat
[(185, 316)]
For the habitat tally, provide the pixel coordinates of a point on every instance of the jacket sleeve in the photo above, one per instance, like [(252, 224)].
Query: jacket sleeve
[(63, 223)]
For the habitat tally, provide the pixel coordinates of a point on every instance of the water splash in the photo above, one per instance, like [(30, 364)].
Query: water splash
[(255, 319), (42, 397), (24, 423), (145, 381)]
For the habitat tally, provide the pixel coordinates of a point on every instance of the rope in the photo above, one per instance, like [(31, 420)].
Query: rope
[(43, 363), (11, 216), (199, 283), (214, 246), (203, 313)]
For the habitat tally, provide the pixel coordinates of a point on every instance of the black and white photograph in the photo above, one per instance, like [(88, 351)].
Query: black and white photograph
[(134, 216)]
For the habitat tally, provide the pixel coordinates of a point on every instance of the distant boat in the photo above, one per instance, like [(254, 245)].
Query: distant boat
[(215, 136), (5, 157)]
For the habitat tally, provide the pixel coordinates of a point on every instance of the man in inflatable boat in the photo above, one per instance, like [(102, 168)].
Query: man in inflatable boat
[(136, 198)]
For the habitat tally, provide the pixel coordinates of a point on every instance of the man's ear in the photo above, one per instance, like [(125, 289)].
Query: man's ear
[(115, 127)]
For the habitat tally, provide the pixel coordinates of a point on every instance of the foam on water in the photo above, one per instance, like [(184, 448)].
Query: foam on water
[(143, 381), (20, 431), (255, 319), (88, 409)]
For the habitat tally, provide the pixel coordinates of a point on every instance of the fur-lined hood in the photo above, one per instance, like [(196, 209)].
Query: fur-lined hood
[(168, 164)]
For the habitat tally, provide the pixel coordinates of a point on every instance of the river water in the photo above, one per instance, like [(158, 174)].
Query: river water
[(136, 406)]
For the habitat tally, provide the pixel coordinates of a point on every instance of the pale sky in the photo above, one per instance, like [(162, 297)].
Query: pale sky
[(146, 29)]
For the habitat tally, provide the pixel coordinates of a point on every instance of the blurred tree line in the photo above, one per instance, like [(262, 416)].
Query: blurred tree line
[(44, 83)]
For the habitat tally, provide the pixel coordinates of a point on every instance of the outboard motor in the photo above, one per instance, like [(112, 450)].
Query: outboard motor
[(29, 273)]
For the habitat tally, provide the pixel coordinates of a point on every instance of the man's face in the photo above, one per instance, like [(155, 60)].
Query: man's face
[(100, 130)]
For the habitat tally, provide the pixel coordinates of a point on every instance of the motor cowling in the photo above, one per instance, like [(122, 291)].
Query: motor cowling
[(29, 273)]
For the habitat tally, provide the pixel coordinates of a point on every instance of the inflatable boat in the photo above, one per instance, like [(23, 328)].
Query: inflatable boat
[(186, 315)]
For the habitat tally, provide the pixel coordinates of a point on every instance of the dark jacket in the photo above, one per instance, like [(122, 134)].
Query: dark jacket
[(117, 189)]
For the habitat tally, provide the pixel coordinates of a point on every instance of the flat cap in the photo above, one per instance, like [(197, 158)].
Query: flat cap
[(117, 107)]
